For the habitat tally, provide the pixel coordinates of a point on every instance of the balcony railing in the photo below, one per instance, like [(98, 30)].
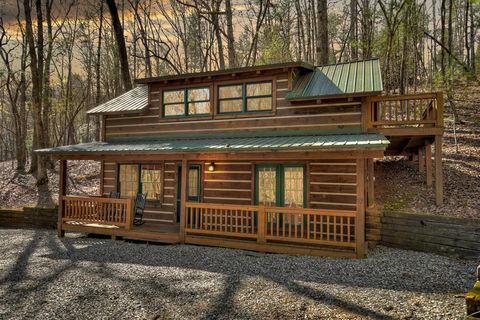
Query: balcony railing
[(415, 110), (273, 224), (98, 210)]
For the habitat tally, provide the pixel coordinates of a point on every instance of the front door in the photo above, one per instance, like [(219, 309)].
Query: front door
[(194, 185)]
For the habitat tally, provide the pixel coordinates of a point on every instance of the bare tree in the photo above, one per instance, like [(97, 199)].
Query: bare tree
[(122, 48), (36, 55)]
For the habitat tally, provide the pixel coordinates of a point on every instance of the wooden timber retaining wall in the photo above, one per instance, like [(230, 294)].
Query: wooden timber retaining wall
[(443, 235), (28, 218)]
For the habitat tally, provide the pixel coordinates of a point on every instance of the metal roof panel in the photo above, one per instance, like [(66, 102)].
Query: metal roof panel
[(350, 78), (213, 144), (130, 101)]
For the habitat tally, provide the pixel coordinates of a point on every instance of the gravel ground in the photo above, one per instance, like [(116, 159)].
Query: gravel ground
[(44, 277)]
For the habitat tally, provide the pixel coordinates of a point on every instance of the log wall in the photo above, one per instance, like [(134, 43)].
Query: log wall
[(331, 184), (328, 114)]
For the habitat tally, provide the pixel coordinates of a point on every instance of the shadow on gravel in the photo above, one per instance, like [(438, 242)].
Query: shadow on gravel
[(20, 284), (288, 271), (301, 275), (19, 268)]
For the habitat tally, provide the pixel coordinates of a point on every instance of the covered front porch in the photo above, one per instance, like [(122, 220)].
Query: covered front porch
[(320, 210), (254, 227)]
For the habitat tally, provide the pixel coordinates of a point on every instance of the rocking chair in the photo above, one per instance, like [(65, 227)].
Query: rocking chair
[(140, 201), (113, 194)]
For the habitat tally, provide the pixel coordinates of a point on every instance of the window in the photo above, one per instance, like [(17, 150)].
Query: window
[(293, 187), (186, 102), (151, 182), (140, 178), (267, 186), (198, 101), (194, 183), (230, 98), (282, 186), (259, 96), (246, 97), (128, 180), (293, 191)]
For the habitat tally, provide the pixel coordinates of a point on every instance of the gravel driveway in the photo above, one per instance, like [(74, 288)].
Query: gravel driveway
[(44, 277)]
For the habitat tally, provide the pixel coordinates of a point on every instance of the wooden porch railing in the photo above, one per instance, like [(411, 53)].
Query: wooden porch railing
[(273, 224), (97, 210), (414, 110)]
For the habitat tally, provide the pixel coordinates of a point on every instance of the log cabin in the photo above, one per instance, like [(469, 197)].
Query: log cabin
[(275, 158)]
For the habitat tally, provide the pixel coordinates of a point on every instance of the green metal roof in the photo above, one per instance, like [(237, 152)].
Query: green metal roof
[(346, 141), (350, 78)]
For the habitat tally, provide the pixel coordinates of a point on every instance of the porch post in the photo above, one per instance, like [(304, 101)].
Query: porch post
[(438, 171), (428, 160), (183, 200), (62, 190), (360, 217), (421, 160)]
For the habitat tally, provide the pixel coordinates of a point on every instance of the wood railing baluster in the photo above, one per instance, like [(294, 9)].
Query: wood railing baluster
[(265, 224)]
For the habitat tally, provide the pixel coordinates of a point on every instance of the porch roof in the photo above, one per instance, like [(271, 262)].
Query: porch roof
[(231, 144)]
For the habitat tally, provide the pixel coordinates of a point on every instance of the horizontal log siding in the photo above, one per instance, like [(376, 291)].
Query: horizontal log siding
[(328, 114), (230, 183), (109, 177), (167, 210), (332, 184)]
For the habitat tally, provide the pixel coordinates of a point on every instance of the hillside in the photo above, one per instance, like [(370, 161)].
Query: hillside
[(18, 191), (461, 170)]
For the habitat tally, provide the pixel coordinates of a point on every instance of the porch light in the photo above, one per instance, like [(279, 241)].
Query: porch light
[(211, 166)]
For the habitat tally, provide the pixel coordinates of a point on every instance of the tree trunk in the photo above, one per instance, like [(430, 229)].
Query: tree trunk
[(36, 65), (218, 34), (322, 42), (98, 93), (353, 30), (121, 46), (232, 60), (442, 37), (473, 32)]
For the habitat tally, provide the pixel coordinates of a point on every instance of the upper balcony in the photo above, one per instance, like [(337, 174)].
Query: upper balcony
[(406, 115)]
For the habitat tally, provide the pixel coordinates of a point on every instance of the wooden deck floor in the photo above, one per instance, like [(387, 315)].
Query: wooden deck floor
[(165, 233)]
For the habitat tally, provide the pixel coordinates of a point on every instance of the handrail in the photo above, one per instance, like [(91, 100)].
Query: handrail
[(98, 210), (273, 224), (411, 110)]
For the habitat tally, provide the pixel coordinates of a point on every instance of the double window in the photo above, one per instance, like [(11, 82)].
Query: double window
[(282, 186), (140, 178), (245, 97), (186, 102)]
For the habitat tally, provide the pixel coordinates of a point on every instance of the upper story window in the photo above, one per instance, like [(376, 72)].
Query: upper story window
[(186, 102), (245, 97)]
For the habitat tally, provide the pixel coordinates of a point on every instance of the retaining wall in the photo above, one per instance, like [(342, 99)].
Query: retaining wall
[(29, 218), (444, 235)]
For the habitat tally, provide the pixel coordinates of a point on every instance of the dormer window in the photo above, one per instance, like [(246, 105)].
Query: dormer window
[(245, 97), (186, 102)]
